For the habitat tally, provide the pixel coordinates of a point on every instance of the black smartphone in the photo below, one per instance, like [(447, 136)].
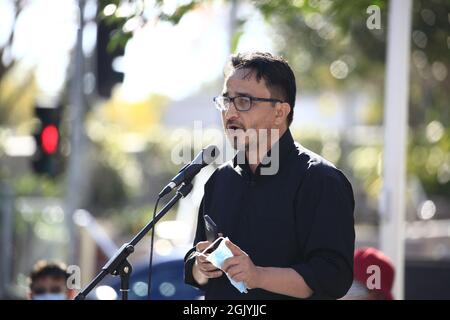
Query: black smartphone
[(211, 230)]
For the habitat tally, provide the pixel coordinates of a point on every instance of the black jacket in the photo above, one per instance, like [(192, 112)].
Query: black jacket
[(300, 218)]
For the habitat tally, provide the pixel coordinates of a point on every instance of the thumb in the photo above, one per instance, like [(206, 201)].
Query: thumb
[(235, 250)]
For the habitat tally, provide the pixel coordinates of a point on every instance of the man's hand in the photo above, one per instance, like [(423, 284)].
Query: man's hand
[(241, 267), (203, 269)]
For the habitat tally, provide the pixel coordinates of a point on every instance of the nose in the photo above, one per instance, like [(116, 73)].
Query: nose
[(231, 113)]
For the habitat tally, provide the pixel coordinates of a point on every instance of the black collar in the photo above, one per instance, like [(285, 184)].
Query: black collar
[(284, 146)]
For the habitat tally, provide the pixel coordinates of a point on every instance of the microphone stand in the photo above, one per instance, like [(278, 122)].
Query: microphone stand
[(118, 264)]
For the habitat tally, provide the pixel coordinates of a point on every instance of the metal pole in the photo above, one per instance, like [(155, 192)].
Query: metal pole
[(6, 211), (392, 207), (232, 24), (75, 172)]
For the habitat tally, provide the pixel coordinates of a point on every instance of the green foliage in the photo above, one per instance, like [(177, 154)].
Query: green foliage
[(429, 158), (33, 185), (180, 11), (118, 40), (314, 34), (108, 189), (131, 219), (235, 40)]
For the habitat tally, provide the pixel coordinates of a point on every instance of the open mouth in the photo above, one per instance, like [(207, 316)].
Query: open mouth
[(234, 127)]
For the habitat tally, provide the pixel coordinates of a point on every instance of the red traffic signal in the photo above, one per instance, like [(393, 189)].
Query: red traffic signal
[(47, 159), (49, 139)]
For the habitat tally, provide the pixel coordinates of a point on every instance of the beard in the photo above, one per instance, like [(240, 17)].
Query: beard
[(238, 138), (254, 142)]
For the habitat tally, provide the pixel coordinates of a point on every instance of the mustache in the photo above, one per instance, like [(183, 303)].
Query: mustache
[(234, 123)]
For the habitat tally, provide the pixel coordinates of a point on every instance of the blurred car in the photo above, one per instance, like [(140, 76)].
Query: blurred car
[(167, 282)]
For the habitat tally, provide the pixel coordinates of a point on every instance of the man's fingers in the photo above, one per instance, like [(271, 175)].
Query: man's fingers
[(233, 271), (213, 274), (239, 277), (235, 250), (204, 264), (207, 266), (202, 245), (229, 263), (202, 259)]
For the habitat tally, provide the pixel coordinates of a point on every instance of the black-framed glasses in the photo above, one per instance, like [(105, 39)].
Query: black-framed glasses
[(241, 103)]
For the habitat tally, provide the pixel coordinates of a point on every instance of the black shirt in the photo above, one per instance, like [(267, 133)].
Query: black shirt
[(299, 218)]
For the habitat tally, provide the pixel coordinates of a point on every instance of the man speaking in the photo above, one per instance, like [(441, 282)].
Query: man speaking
[(286, 213)]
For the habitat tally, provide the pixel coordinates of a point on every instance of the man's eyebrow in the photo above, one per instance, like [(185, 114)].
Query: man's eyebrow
[(245, 94), (238, 94)]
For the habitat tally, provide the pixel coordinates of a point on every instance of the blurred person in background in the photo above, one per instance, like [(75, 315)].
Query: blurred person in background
[(48, 281), (370, 263)]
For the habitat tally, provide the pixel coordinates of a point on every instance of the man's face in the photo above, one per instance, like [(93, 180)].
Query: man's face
[(260, 117), (49, 288)]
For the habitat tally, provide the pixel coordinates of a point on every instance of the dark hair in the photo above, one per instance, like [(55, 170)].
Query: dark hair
[(276, 72), (45, 268)]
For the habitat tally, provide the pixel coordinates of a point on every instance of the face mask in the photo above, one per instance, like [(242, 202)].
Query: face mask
[(49, 296), (217, 258)]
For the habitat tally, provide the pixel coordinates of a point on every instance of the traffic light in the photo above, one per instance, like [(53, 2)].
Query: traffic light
[(47, 158), (107, 76)]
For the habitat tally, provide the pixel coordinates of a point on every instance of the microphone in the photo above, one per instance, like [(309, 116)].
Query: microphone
[(189, 171)]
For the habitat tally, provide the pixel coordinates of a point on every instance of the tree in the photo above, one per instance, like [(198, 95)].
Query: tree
[(331, 46), (12, 94)]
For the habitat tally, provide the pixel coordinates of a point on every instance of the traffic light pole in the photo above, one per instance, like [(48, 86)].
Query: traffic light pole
[(76, 112)]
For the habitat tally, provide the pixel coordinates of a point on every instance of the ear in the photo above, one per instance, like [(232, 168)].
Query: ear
[(282, 110)]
